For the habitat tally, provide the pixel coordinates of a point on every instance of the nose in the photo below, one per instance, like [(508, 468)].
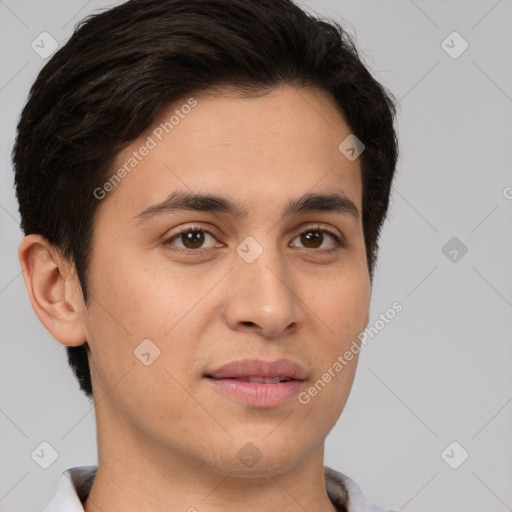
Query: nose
[(262, 298)]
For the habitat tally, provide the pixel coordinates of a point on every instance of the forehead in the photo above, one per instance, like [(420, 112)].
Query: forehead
[(268, 148)]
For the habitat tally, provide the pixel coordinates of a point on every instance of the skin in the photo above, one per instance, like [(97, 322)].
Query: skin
[(167, 440)]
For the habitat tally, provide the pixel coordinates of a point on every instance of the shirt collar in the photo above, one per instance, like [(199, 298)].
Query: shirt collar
[(72, 490), (75, 484)]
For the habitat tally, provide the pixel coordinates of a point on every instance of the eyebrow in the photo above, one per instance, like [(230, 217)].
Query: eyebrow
[(181, 200)]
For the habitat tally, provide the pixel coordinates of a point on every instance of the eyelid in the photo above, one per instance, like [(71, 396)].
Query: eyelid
[(339, 239), (190, 228)]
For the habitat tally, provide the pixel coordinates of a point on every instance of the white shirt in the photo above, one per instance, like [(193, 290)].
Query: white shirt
[(342, 490)]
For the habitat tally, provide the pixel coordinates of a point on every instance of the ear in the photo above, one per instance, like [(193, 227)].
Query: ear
[(53, 289)]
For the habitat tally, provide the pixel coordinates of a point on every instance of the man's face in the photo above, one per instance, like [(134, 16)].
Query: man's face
[(258, 286)]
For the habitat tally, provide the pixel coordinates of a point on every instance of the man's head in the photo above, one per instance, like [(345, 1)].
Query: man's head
[(247, 101)]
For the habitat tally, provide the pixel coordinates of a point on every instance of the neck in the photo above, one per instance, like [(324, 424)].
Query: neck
[(134, 474)]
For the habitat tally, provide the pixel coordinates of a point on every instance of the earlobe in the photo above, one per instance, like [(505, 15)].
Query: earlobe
[(52, 289)]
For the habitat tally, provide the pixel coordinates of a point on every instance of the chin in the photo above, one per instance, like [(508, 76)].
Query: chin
[(271, 450)]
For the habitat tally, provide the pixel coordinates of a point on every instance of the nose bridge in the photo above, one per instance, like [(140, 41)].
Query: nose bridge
[(263, 292)]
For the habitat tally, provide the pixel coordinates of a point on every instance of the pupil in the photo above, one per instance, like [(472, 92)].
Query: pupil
[(312, 237), (195, 238)]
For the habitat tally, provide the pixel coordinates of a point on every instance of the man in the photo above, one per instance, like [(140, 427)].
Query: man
[(202, 186)]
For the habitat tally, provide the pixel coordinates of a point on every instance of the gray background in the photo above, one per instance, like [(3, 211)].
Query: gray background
[(440, 371)]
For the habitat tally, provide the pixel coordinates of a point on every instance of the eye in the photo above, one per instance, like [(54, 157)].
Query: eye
[(191, 238), (314, 238)]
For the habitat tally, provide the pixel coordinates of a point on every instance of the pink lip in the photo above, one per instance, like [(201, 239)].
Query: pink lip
[(258, 394), (259, 368)]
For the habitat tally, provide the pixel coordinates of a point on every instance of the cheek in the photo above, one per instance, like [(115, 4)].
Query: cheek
[(340, 303), (339, 309), (147, 296), (325, 397), (135, 300)]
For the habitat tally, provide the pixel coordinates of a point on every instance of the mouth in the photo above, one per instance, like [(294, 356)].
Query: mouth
[(259, 383), (264, 380)]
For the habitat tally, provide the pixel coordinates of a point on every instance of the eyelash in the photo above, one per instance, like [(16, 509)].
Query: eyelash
[(339, 242)]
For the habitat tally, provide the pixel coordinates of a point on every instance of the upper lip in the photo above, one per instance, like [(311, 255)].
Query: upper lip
[(259, 368)]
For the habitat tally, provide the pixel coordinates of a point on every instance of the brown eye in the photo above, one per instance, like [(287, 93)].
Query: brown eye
[(312, 239), (191, 239), (315, 238)]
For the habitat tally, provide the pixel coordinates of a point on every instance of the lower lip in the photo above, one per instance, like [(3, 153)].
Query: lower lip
[(259, 394)]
